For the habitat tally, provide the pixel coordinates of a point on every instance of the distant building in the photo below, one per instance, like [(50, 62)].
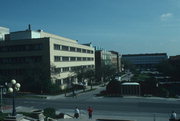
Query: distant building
[(145, 61), (103, 58), (3, 32), (23, 50), (116, 60), (175, 58)]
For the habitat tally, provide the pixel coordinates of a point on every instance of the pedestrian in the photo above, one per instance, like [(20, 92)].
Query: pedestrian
[(173, 116), (76, 113), (90, 110)]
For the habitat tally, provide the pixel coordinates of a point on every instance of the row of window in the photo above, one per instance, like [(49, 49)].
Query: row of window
[(62, 81), (72, 49), (66, 69), (21, 60), (19, 48), (7, 72), (65, 58)]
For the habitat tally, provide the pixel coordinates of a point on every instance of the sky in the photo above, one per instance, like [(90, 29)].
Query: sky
[(125, 26)]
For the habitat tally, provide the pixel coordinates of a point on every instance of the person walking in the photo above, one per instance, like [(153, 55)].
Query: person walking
[(76, 113), (90, 110), (173, 116)]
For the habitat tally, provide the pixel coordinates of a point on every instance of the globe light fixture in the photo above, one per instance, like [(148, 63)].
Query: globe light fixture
[(13, 89), (10, 90), (13, 81)]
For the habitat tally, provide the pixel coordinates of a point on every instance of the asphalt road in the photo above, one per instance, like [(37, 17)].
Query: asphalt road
[(106, 105)]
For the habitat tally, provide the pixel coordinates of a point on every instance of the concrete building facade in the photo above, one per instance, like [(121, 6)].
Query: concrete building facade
[(116, 60), (103, 58), (24, 49), (3, 32)]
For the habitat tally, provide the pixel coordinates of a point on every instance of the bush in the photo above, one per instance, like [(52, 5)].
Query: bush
[(50, 112), (2, 116)]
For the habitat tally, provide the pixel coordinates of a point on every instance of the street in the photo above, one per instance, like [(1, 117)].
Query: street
[(106, 105)]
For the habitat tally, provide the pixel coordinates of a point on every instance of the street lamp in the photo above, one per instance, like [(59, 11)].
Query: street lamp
[(1, 87), (12, 89)]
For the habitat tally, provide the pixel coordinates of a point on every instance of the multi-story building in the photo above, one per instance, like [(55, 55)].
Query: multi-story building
[(3, 32), (116, 60), (145, 61), (25, 49), (103, 58)]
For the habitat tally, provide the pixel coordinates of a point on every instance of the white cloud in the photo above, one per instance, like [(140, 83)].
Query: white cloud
[(166, 16)]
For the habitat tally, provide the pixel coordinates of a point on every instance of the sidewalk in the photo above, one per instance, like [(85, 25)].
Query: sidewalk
[(69, 94)]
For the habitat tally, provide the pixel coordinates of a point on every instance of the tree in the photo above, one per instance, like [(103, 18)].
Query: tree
[(170, 68), (83, 74), (80, 74), (128, 65), (105, 72), (90, 75), (38, 79)]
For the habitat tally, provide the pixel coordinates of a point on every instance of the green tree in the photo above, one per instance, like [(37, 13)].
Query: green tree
[(38, 79), (80, 73), (128, 65), (170, 68), (90, 76), (105, 72)]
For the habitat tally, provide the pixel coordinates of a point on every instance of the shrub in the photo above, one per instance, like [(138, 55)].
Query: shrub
[(2, 116), (50, 112)]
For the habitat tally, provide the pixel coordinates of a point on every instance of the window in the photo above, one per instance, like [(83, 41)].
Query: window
[(57, 47), (73, 59), (19, 48), (65, 48), (57, 70), (89, 59), (84, 58), (78, 49), (57, 58), (58, 81), (66, 80), (83, 50), (78, 58), (65, 58), (65, 69), (88, 51), (74, 68), (72, 49)]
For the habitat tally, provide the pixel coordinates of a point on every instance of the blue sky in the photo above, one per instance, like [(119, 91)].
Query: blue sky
[(126, 26)]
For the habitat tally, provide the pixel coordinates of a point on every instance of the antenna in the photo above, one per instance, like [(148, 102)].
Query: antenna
[(29, 27)]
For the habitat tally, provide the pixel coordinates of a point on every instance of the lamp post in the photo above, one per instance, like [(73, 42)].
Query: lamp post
[(13, 88), (1, 86)]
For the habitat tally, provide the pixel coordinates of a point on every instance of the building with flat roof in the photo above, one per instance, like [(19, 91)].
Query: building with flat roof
[(116, 60), (24, 50), (3, 32), (106, 58), (145, 61)]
